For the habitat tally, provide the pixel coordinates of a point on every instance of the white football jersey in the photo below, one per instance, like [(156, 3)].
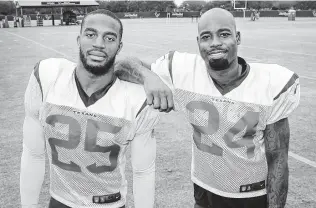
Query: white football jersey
[(228, 155), (86, 140)]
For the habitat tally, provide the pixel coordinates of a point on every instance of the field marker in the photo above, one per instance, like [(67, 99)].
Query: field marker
[(37, 43), (302, 159)]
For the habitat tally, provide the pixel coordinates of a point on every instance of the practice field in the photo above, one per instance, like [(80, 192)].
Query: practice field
[(270, 40)]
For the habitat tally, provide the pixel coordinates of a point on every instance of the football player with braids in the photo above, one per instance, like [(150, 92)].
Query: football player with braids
[(239, 113), (84, 118)]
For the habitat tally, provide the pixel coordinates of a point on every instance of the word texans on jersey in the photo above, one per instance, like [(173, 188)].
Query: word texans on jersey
[(85, 113)]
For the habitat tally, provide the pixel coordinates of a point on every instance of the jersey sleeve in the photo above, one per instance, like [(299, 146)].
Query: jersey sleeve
[(163, 68), (143, 154), (285, 90), (33, 154)]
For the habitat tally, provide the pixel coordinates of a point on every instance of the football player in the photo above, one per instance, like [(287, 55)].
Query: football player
[(239, 114), (85, 118)]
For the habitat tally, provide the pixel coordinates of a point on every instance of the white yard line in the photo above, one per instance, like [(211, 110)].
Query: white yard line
[(303, 159), (37, 43), (276, 50), (310, 78), (294, 41)]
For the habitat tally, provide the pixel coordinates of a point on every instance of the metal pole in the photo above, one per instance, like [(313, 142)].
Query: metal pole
[(53, 18), (61, 16)]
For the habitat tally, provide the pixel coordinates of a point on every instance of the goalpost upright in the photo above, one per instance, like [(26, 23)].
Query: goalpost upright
[(242, 8)]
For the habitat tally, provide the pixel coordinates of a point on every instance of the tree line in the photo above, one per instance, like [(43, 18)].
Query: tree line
[(8, 7)]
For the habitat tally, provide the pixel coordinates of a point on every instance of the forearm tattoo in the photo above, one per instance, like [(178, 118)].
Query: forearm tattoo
[(129, 70), (277, 138)]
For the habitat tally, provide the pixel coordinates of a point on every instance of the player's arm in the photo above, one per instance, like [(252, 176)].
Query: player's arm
[(277, 137), (143, 156), (132, 69), (33, 155), (158, 93)]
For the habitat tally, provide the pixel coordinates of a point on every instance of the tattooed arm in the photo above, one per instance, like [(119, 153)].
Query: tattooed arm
[(277, 136), (134, 70)]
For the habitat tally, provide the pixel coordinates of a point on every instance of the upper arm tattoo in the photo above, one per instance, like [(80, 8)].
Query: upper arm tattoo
[(277, 136)]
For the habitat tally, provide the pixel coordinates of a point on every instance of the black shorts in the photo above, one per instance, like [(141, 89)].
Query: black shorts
[(53, 203), (206, 199)]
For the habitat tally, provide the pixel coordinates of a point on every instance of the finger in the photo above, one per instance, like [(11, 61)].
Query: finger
[(163, 103), (170, 101), (156, 101), (150, 99)]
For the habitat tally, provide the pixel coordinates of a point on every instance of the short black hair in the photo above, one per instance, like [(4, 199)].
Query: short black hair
[(107, 13)]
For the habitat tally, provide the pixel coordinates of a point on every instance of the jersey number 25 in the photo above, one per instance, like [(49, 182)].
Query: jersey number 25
[(90, 142)]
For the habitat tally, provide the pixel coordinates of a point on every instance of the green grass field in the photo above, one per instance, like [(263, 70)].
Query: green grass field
[(269, 40)]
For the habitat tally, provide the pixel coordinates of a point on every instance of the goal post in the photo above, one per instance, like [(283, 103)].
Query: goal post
[(242, 5)]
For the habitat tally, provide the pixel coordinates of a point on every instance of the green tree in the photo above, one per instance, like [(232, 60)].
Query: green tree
[(259, 4), (7, 8), (192, 5)]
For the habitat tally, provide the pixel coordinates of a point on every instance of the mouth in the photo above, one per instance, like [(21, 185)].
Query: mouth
[(216, 54), (97, 55)]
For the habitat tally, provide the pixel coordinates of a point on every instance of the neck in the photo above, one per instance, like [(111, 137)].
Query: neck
[(91, 83), (227, 75)]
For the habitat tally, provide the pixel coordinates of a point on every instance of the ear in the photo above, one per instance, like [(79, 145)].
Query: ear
[(78, 40), (197, 39), (238, 37), (120, 47)]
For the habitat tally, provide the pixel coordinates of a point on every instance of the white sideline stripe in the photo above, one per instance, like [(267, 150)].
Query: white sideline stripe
[(55, 33), (44, 46), (282, 40), (302, 159), (269, 49), (295, 156), (310, 78), (294, 41)]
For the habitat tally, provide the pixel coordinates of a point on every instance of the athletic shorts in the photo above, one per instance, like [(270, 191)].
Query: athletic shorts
[(53, 203), (206, 199)]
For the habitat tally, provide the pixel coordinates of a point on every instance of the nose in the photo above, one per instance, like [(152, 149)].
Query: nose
[(99, 42), (216, 42)]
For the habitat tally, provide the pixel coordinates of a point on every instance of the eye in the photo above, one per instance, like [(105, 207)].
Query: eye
[(205, 37), (110, 39), (225, 35), (90, 35)]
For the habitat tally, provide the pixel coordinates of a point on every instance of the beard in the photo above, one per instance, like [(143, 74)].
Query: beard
[(98, 70), (218, 64)]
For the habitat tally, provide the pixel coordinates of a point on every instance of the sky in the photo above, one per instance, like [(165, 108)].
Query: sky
[(178, 2)]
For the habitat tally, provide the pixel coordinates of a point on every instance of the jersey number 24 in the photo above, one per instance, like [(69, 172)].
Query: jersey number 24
[(249, 121)]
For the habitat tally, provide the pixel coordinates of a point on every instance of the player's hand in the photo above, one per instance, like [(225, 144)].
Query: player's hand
[(158, 93)]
